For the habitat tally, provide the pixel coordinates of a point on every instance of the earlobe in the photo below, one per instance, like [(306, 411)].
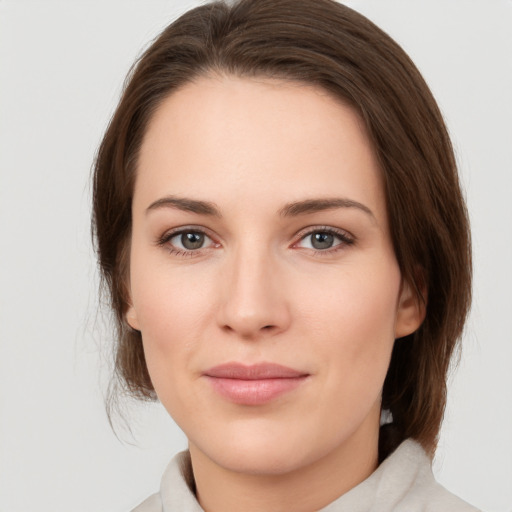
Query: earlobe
[(411, 311), (131, 318)]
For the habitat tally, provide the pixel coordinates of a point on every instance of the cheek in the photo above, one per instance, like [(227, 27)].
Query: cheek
[(169, 300), (354, 324), (174, 309), (178, 332), (169, 316)]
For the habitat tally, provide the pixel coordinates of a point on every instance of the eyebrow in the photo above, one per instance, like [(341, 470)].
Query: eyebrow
[(317, 205), (293, 209), (187, 205)]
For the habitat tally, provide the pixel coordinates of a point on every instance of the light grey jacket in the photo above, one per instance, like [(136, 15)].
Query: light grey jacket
[(402, 483)]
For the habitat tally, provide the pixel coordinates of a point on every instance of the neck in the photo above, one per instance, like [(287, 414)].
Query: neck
[(220, 489)]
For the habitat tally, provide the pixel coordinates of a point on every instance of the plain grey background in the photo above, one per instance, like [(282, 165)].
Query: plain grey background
[(62, 64)]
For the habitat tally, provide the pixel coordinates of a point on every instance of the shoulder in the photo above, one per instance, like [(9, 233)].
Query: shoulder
[(424, 493), (441, 500), (151, 504), (433, 497)]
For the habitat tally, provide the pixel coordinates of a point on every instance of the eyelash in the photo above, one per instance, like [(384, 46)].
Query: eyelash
[(345, 238), (164, 240)]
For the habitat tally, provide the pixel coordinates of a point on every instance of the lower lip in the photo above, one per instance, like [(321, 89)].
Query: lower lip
[(254, 392)]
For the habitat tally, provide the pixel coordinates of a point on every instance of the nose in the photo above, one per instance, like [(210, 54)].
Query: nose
[(254, 302)]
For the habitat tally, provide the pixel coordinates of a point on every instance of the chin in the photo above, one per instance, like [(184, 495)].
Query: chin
[(256, 460), (264, 450)]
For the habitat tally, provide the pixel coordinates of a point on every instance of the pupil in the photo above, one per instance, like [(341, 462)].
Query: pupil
[(192, 240), (322, 240)]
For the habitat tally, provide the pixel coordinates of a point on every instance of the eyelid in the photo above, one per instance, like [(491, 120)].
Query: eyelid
[(165, 238), (346, 239), (345, 236)]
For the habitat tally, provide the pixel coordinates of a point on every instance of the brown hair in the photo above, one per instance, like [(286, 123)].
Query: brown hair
[(326, 44)]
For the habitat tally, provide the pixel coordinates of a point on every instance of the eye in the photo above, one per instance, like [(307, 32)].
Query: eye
[(186, 241), (325, 239), (189, 240)]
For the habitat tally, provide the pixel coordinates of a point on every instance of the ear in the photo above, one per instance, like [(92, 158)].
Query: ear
[(411, 309), (131, 318)]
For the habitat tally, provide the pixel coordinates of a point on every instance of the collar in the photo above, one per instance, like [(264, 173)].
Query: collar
[(402, 482)]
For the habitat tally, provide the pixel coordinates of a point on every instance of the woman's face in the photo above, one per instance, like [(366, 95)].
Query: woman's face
[(262, 274)]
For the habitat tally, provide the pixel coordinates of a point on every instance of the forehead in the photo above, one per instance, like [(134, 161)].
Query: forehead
[(256, 139)]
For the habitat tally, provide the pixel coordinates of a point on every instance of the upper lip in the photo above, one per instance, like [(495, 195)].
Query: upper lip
[(258, 371)]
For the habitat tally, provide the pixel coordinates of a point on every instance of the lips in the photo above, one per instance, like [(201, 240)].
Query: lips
[(254, 384)]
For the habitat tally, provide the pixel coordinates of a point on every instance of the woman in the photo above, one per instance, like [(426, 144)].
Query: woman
[(281, 228)]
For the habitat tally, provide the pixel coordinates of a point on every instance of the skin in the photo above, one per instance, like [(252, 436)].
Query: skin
[(259, 290)]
